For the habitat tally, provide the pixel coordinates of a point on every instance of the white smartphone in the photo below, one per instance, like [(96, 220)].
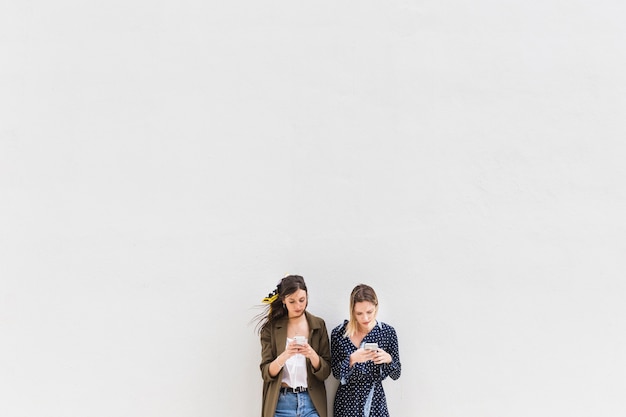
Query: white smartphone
[(370, 346), (301, 340)]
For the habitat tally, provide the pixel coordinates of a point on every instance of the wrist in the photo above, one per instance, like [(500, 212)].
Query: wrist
[(279, 362), (316, 362)]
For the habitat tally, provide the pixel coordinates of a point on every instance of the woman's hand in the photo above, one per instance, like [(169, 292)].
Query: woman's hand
[(306, 350), (361, 355), (293, 348), (381, 357)]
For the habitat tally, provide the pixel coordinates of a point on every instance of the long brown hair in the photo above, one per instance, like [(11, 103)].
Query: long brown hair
[(274, 310), (360, 293)]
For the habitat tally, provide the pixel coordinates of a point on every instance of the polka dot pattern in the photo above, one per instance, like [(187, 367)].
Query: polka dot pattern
[(360, 392)]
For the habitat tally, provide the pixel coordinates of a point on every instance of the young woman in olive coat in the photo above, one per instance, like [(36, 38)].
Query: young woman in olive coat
[(295, 354)]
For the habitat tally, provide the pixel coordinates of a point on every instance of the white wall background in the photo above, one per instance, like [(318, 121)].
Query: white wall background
[(163, 164)]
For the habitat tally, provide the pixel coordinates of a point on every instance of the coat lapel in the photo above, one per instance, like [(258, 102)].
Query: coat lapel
[(281, 336)]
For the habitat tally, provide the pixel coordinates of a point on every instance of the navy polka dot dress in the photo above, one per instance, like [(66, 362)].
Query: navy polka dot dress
[(360, 392)]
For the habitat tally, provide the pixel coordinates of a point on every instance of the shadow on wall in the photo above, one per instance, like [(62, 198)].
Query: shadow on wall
[(331, 388)]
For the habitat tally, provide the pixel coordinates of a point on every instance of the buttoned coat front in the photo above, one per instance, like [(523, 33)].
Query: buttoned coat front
[(273, 342)]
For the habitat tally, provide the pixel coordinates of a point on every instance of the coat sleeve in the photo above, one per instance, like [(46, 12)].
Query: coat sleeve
[(268, 354), (323, 351)]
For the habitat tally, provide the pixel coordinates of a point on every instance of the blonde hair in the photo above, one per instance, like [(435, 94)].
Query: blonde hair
[(359, 294)]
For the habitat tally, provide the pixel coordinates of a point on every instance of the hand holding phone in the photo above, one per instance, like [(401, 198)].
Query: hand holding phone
[(365, 353)]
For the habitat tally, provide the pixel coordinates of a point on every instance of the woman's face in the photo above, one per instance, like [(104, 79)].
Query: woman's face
[(296, 303), (365, 315)]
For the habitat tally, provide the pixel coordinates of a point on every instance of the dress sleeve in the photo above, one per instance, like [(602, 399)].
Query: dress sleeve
[(340, 359), (393, 369)]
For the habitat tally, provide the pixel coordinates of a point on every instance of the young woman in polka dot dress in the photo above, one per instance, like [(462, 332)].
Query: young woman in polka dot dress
[(295, 354), (360, 368)]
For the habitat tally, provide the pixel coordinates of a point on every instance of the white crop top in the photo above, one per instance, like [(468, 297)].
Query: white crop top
[(294, 371)]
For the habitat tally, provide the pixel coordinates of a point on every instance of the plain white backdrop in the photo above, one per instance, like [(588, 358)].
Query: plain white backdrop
[(163, 164)]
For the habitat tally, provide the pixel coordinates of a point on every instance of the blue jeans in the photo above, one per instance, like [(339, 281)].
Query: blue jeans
[(295, 405)]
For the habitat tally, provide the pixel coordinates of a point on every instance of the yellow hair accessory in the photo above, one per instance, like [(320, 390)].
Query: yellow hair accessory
[(270, 298)]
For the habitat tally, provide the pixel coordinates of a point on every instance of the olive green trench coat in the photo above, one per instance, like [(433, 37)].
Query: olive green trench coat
[(273, 342)]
